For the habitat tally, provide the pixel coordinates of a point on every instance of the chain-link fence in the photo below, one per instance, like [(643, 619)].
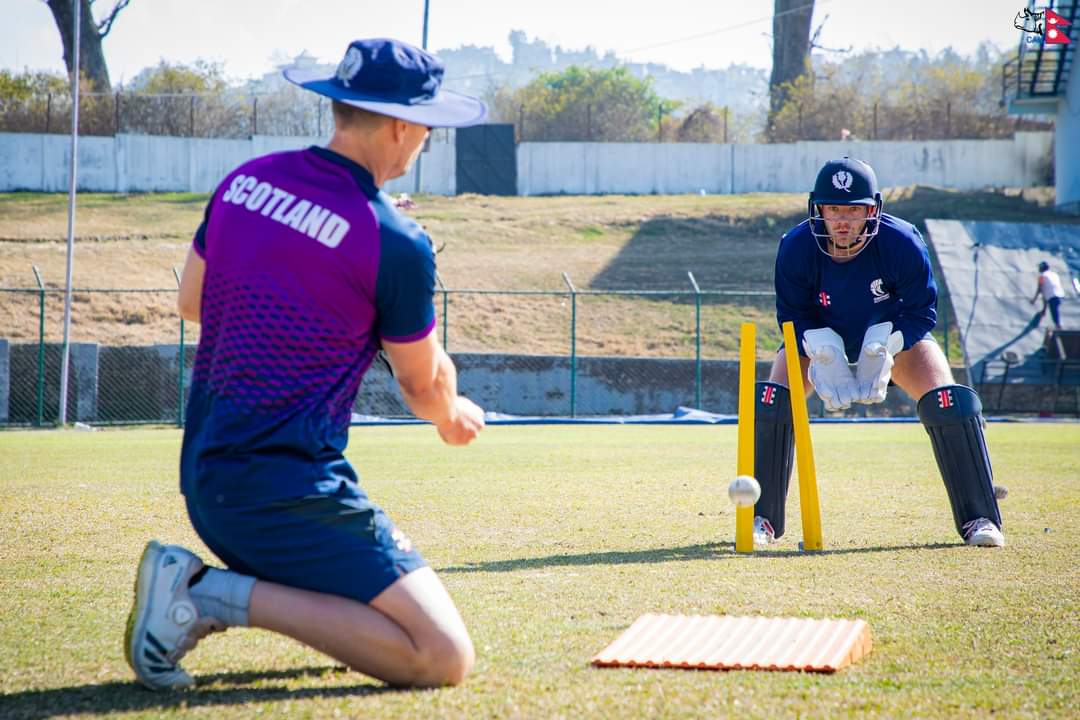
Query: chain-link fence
[(130, 356), (926, 120), (289, 112), (569, 352)]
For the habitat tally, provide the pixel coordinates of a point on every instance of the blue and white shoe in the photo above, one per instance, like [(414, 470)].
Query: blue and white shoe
[(983, 533), (164, 623)]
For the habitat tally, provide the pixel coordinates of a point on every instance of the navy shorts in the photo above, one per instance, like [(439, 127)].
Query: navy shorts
[(339, 543)]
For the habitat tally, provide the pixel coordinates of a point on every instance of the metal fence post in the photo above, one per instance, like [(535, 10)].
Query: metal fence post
[(697, 341), (41, 349), (180, 372), (445, 311), (573, 345)]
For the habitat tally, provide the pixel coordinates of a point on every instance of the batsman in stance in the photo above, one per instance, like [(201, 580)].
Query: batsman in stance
[(301, 271), (857, 285)]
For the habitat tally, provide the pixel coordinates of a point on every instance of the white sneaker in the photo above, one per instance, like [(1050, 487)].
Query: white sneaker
[(763, 532), (981, 532), (164, 624)]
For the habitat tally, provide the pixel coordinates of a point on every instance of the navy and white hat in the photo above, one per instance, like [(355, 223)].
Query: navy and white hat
[(846, 182), (389, 77)]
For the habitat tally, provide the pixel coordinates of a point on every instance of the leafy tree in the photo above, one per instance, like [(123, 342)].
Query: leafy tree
[(185, 100), (897, 95), (20, 87), (585, 104), (168, 78)]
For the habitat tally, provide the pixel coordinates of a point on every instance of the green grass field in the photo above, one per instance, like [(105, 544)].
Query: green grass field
[(553, 540)]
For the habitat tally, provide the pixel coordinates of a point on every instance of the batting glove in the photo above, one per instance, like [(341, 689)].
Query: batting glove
[(875, 365), (829, 372)]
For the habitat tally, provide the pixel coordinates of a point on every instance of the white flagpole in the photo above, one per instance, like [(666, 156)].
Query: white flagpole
[(65, 362)]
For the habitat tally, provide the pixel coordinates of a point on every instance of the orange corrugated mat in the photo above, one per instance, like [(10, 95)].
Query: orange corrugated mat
[(738, 643)]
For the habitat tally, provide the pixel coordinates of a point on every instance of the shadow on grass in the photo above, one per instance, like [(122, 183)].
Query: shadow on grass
[(121, 697), (706, 551), (722, 250)]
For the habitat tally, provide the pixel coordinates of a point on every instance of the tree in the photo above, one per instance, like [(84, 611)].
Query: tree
[(91, 33), (168, 78), (704, 124), (186, 100), (585, 104), (791, 49)]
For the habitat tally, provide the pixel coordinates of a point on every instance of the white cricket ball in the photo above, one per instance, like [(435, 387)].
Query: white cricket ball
[(744, 491)]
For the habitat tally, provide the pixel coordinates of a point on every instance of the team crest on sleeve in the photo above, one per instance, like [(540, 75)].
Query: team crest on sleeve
[(824, 299), (768, 395), (878, 291), (349, 66), (945, 399), (842, 180)]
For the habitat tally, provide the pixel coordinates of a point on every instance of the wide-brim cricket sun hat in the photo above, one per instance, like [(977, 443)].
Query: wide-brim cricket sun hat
[(389, 77)]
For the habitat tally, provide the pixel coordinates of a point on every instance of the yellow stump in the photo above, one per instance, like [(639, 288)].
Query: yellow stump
[(744, 516), (804, 451)]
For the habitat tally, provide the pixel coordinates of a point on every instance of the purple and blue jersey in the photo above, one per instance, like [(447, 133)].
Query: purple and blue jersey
[(890, 280), (308, 268)]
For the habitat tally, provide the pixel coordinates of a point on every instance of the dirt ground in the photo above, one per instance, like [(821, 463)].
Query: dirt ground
[(133, 242)]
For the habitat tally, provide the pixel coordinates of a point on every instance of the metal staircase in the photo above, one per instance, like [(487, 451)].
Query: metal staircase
[(1034, 79)]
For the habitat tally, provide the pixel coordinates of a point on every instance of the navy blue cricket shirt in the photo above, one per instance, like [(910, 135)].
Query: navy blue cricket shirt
[(889, 280)]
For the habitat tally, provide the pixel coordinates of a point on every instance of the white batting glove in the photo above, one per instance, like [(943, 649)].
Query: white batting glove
[(829, 371), (874, 369)]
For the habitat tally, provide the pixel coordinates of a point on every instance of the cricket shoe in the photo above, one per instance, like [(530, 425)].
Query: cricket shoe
[(981, 532), (164, 624), (763, 532)]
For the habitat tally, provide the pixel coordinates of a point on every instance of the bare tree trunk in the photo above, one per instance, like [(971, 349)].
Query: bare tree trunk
[(91, 57), (791, 48)]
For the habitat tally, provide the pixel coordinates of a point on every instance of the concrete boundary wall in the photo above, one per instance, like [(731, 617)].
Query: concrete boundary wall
[(592, 168), (143, 163), (139, 384), (149, 163)]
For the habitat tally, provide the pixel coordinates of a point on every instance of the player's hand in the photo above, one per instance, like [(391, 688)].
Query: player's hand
[(829, 372), (875, 365), (464, 424)]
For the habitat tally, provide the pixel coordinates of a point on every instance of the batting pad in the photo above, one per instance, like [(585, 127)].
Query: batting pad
[(715, 642)]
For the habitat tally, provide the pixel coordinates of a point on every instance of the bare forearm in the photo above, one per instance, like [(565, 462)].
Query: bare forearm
[(434, 400)]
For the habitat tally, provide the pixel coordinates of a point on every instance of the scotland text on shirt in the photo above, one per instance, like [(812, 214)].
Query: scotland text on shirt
[(302, 215)]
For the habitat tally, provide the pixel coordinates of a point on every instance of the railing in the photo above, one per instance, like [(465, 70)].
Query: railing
[(132, 355)]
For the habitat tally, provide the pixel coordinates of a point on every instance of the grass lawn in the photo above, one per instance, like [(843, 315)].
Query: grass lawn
[(552, 540)]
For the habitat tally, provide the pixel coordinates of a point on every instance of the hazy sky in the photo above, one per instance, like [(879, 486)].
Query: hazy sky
[(246, 34)]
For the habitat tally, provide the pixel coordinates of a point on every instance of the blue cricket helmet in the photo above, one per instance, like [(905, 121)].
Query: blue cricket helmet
[(844, 182)]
